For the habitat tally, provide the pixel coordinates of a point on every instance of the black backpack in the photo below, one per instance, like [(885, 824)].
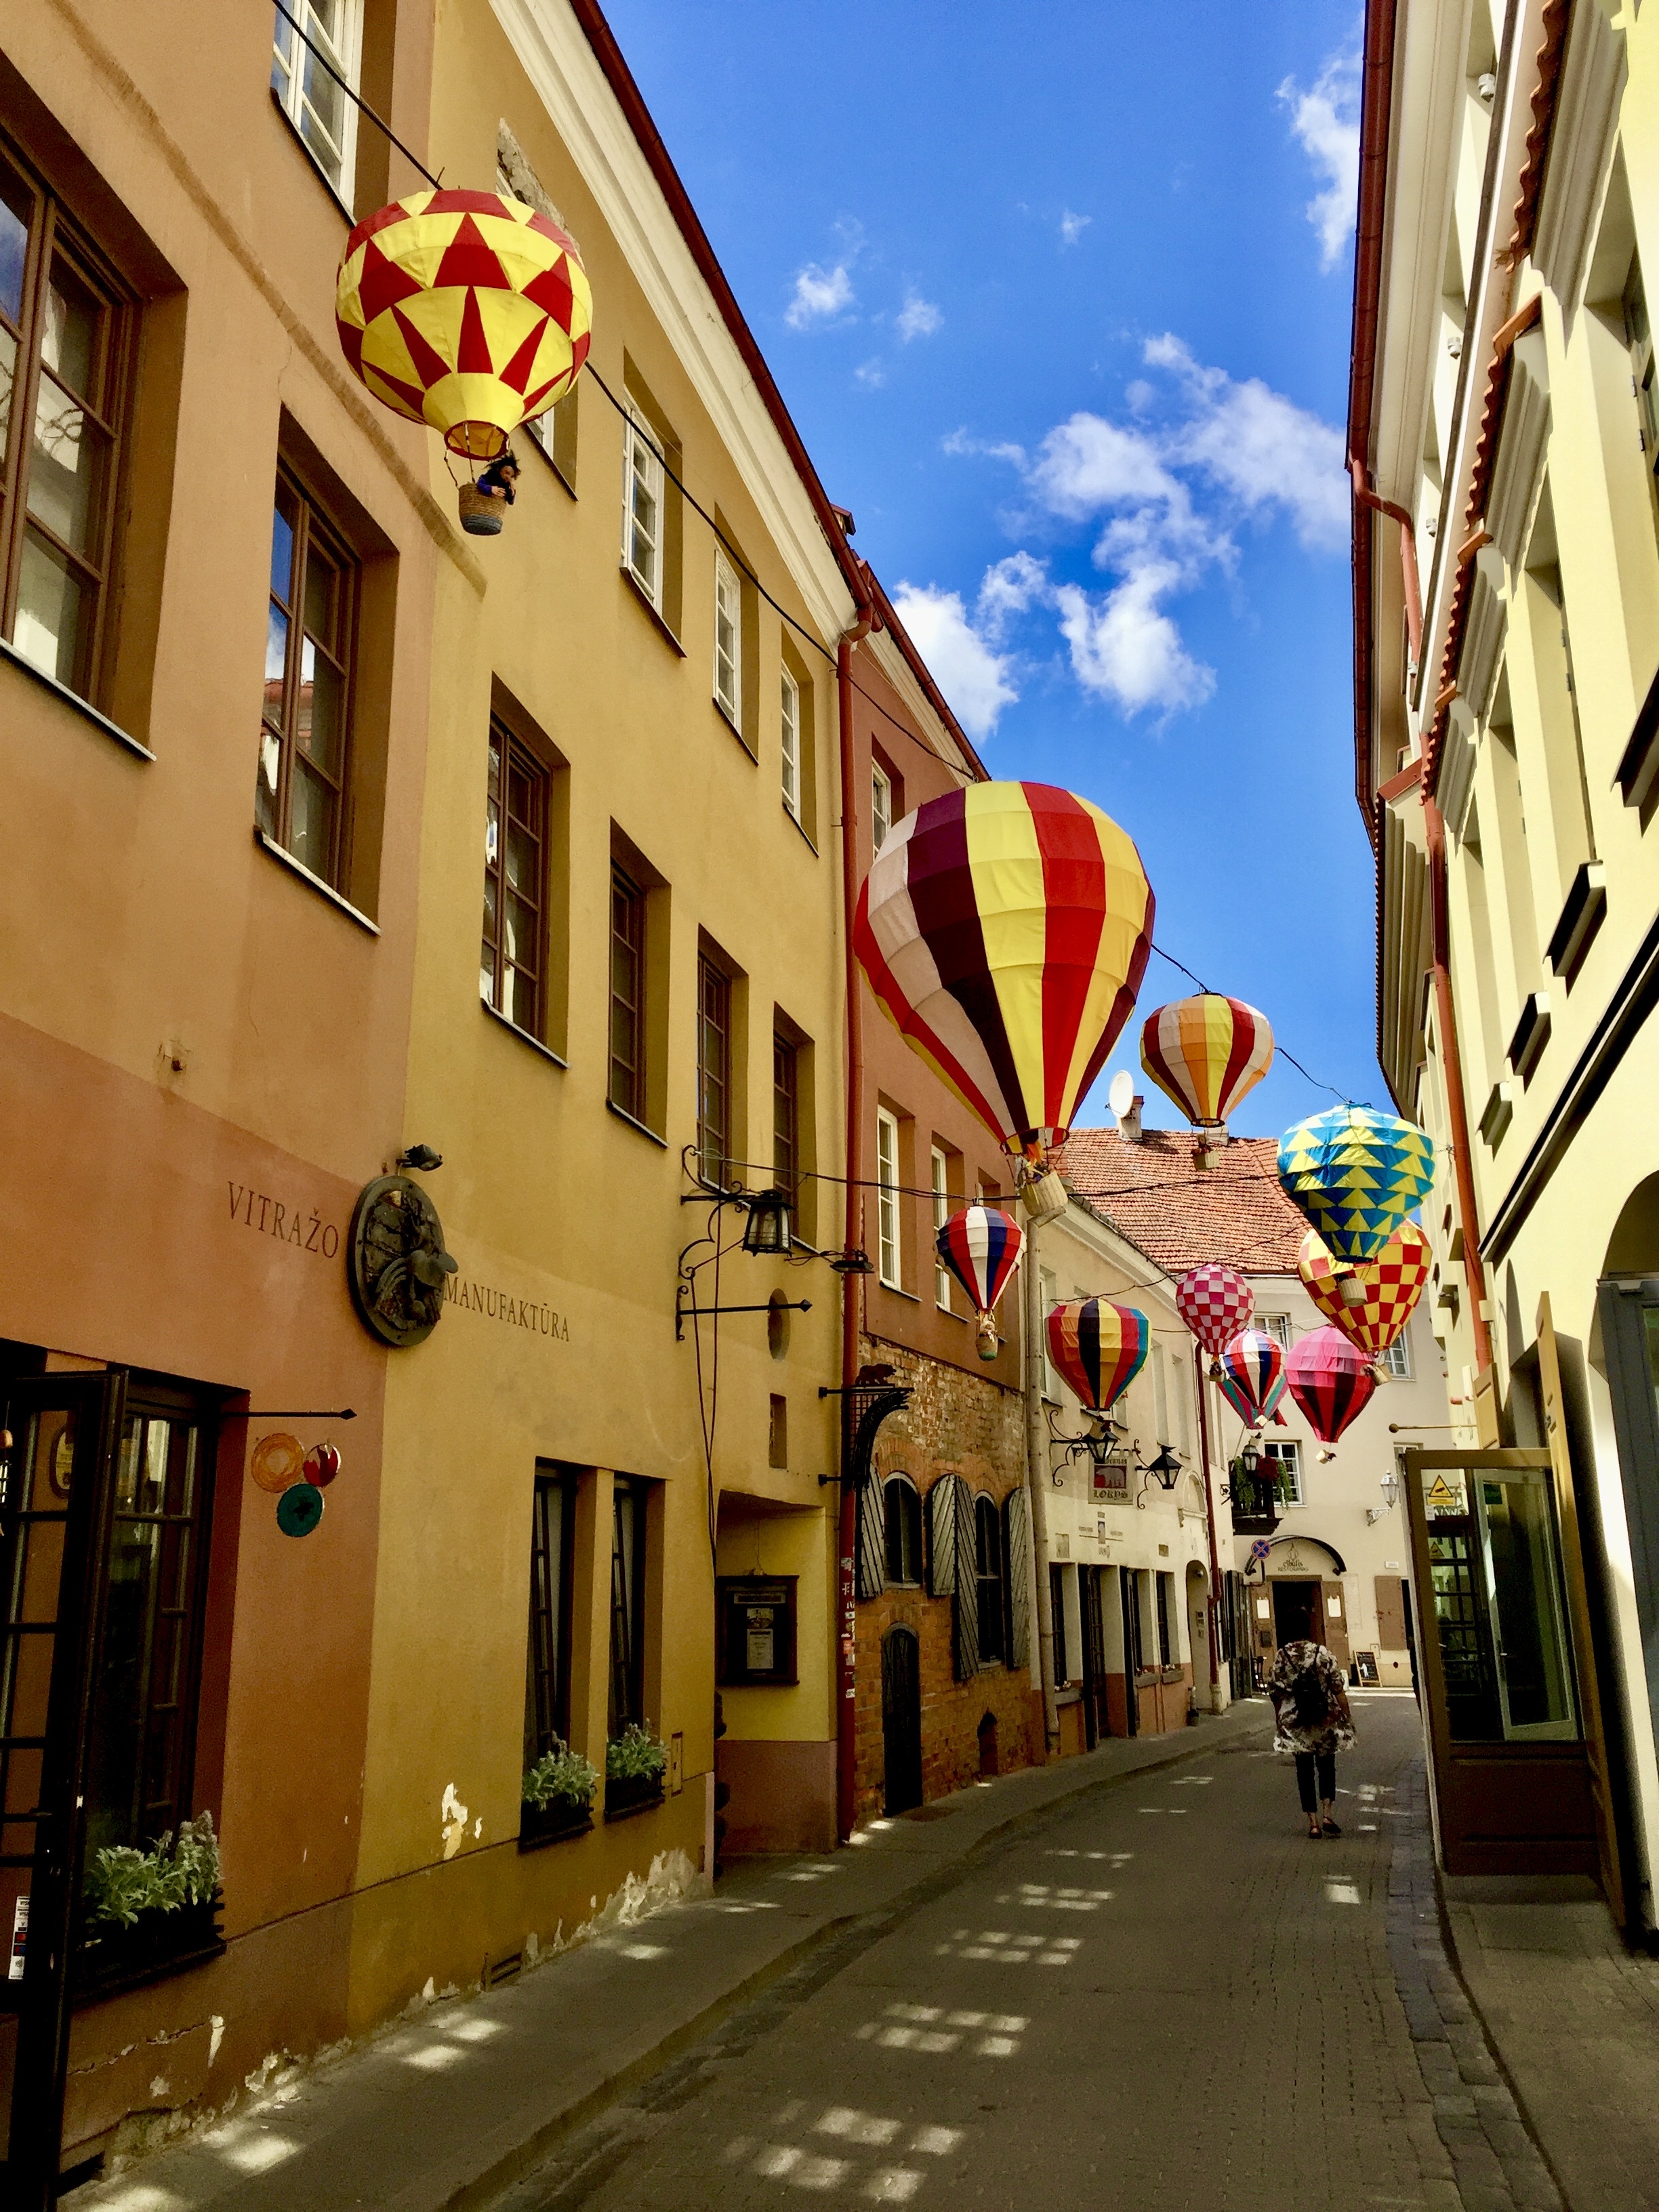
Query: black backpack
[(1311, 1707)]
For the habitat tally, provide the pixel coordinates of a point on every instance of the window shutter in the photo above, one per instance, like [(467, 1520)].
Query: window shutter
[(1390, 1612), (872, 1563), (942, 1538), (1017, 1515), (965, 1613)]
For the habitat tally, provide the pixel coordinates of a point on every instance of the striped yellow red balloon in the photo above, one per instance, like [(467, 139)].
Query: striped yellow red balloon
[(1207, 1053), (1099, 1347), (469, 310), (1006, 928)]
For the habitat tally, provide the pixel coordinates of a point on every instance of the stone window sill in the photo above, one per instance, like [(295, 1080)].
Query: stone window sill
[(73, 701)]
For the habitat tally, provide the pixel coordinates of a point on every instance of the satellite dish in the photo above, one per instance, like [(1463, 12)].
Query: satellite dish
[(1122, 1096)]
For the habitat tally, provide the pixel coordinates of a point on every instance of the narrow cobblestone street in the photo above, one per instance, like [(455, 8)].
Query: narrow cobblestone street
[(1163, 1997)]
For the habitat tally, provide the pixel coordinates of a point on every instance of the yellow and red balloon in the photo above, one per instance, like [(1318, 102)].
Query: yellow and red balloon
[(1099, 1347), (1207, 1053), (1390, 1285)]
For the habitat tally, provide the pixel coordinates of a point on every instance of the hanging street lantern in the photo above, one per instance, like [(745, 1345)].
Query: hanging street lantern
[(1005, 929), (980, 1247), (767, 1233)]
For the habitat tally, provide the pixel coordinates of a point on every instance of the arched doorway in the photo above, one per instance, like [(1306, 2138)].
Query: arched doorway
[(901, 1718)]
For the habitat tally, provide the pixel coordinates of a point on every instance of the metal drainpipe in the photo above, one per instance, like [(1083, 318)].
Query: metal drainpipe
[(851, 1287), (1209, 1523), (1414, 587), (1036, 1488)]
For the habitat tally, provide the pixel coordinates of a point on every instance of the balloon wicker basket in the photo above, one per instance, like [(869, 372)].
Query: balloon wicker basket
[(1044, 1196), (481, 515)]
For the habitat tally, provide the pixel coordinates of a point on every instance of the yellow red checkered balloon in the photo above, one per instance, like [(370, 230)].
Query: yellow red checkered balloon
[(1393, 1283), (467, 311)]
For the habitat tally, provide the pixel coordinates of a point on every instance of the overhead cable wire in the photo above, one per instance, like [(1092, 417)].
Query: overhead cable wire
[(353, 95)]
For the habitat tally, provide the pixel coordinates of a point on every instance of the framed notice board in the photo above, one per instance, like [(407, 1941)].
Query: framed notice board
[(755, 1618)]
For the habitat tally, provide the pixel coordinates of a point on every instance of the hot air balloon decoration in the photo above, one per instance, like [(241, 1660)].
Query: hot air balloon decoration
[(468, 310), (1252, 1375), (1207, 1053), (1356, 1175), (1330, 1379), (980, 1247), (1099, 1347), (1005, 928), (1391, 1285), (1215, 1304)]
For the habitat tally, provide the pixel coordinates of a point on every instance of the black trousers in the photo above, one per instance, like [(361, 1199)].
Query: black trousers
[(1306, 1764)]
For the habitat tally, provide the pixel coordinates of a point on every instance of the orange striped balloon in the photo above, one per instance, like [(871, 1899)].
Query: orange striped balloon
[(1207, 1053)]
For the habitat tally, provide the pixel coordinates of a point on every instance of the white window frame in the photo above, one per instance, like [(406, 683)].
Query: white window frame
[(943, 1279), (287, 83), (881, 806), (1396, 1361), (1277, 1326), (1287, 1452), (889, 1247), (789, 722), (641, 472), (728, 642)]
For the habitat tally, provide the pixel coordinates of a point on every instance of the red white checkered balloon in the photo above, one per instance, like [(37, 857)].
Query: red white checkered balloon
[(1215, 1304)]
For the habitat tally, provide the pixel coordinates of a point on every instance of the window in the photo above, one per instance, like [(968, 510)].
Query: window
[(1396, 1361), (1283, 1456), (903, 1523), (511, 970), (728, 642), (627, 1701), (777, 1432), (141, 1749), (1134, 1651), (547, 1685), (1639, 335), (942, 1276), (890, 1256), (318, 107), (713, 1070), (881, 807), (988, 1545), (789, 717), (1057, 1609), (786, 1113), (1049, 1293), (64, 337), (1166, 1598), (304, 731), (626, 994), (642, 508), (1277, 1326)]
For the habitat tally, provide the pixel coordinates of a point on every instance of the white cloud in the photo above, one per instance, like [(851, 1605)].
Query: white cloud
[(1326, 119), (1127, 649), (1072, 227), (917, 318), (1088, 463), (973, 674), (872, 374), (1007, 589), (820, 296), (1260, 447)]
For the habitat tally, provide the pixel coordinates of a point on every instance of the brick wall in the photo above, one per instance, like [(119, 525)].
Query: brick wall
[(957, 1423)]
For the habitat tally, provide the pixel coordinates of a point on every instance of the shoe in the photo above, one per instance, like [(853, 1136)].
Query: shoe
[(1314, 1836), (1331, 1828)]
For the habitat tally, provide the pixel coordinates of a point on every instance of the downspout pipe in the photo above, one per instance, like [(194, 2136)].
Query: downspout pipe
[(1036, 1468), (1365, 497), (1209, 1523), (852, 1289), (1452, 1060)]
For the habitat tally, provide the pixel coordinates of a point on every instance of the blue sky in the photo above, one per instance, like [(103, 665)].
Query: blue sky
[(1060, 298)]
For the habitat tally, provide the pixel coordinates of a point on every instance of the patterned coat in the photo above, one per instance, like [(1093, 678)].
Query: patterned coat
[(1306, 1681)]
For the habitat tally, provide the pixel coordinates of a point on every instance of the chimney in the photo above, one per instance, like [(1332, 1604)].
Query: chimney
[(1128, 1123)]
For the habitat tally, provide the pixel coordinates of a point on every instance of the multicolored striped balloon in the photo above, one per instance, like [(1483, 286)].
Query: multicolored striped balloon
[(1099, 1347), (1006, 928), (1356, 1174), (1207, 1053), (1252, 1375), (980, 1246), (1215, 1304), (1390, 1285), (1330, 1379), (469, 310)]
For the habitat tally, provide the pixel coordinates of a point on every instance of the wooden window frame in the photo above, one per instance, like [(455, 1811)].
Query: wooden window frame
[(890, 1224), (290, 55), (53, 239), (992, 1581), (625, 1644), (628, 897), (789, 735), (515, 758), (310, 524), (902, 1509), (552, 1611), (714, 1057)]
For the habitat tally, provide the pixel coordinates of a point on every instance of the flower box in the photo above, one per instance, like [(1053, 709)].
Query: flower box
[(559, 1818), (626, 1794), (157, 1943)]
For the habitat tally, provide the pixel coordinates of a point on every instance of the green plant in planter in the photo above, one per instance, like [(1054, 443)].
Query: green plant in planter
[(122, 1882), (560, 1777), (635, 1756)]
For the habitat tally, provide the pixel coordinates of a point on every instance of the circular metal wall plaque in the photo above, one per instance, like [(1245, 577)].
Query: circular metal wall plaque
[(396, 1261)]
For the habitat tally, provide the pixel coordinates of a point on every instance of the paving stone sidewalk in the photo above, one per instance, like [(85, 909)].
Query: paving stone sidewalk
[(442, 2113)]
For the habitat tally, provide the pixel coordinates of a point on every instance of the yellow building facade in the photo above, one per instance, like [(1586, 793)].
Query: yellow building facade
[(1504, 438)]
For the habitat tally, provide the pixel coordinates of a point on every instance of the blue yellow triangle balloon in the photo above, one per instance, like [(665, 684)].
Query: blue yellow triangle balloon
[(1356, 1175)]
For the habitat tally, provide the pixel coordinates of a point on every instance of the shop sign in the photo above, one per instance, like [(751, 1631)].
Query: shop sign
[(396, 1263), (290, 1225)]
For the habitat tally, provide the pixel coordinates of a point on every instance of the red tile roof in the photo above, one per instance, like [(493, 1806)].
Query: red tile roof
[(1181, 1215)]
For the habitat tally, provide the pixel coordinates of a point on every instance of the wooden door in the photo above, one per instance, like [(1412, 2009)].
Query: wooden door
[(1334, 1630), (901, 1718), (1096, 1723)]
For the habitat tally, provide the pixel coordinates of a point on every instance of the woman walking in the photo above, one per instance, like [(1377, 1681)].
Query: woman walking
[(1310, 1704)]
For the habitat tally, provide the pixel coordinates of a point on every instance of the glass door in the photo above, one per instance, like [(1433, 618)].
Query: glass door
[(61, 1434), (1629, 1311)]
